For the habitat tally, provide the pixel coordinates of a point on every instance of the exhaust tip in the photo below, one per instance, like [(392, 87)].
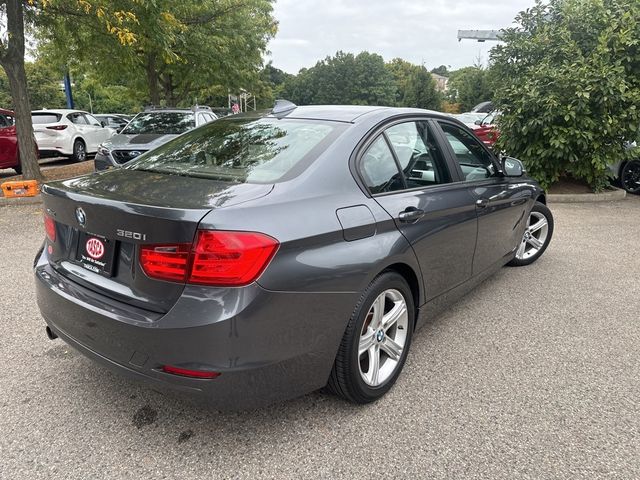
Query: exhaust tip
[(50, 334)]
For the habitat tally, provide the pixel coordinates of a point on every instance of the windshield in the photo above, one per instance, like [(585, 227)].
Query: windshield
[(161, 123), (243, 150)]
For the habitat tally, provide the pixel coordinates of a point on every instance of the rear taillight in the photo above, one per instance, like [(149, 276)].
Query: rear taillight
[(50, 227), (216, 258), (167, 262), (57, 127)]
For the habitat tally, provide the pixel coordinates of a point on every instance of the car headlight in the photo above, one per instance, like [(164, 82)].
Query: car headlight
[(102, 150)]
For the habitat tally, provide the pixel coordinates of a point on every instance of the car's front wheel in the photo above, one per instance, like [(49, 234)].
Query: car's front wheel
[(630, 176), (536, 238), (79, 151), (376, 341)]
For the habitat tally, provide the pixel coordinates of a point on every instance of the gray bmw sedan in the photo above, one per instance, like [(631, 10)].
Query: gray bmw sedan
[(258, 258)]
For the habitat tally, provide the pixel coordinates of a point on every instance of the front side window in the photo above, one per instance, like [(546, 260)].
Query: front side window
[(475, 162), (245, 150), (420, 159), (160, 123), (379, 169)]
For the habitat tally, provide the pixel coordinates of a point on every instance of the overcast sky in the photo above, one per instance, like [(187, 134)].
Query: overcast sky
[(416, 30)]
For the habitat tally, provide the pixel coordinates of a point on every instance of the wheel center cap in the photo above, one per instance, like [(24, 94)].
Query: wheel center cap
[(379, 336), (527, 235)]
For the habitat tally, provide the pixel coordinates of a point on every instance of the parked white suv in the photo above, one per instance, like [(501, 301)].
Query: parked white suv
[(69, 133)]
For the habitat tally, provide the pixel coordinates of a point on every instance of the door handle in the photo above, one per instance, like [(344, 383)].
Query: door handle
[(482, 202), (410, 215)]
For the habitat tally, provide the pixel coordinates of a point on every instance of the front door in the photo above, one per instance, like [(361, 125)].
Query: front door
[(408, 175), (501, 203)]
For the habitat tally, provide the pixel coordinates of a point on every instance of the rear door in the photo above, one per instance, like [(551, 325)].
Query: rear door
[(410, 177), (8, 142), (501, 204)]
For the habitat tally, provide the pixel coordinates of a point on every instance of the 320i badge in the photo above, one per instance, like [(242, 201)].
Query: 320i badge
[(258, 258)]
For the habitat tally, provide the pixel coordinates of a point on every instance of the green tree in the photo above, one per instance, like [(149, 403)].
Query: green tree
[(343, 79), (569, 87), (469, 86), (173, 52), (421, 91), (401, 70), (441, 70)]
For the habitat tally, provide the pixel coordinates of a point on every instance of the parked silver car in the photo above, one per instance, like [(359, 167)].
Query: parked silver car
[(148, 130)]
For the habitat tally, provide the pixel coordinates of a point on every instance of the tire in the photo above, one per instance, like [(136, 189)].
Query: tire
[(352, 376), (18, 169), (630, 177), (79, 151), (536, 237)]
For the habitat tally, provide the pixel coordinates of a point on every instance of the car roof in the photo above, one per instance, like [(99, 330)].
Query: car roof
[(6, 112), (60, 111), (353, 113)]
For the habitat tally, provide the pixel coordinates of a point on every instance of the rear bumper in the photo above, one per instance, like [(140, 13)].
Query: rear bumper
[(268, 346)]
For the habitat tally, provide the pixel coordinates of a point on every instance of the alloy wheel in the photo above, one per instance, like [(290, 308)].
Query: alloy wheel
[(383, 338), (534, 237)]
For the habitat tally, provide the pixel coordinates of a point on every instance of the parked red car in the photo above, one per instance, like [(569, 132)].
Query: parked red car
[(9, 157), (486, 130)]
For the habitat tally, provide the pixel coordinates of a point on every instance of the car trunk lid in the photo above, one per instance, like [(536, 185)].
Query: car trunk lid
[(102, 219)]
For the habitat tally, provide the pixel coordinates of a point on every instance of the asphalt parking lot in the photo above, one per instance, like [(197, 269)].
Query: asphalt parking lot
[(536, 374)]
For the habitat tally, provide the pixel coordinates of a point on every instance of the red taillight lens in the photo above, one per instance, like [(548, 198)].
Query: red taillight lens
[(216, 258), (166, 262), (184, 372), (230, 258), (50, 227), (57, 127)]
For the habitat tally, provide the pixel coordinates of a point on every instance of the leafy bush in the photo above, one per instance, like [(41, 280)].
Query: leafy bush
[(568, 86)]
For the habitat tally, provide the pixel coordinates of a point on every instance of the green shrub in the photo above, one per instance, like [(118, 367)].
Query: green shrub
[(569, 87)]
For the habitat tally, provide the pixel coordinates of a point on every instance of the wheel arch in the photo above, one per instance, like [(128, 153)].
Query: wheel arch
[(409, 274), (542, 198)]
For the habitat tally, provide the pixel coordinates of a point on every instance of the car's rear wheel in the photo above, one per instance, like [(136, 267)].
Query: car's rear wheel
[(18, 169), (376, 342), (536, 237), (630, 176), (79, 151)]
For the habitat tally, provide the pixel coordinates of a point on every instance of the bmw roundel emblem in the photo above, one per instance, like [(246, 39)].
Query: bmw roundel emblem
[(81, 216)]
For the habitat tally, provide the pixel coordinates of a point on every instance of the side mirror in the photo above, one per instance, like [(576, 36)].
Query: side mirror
[(512, 167), (478, 122), (103, 123)]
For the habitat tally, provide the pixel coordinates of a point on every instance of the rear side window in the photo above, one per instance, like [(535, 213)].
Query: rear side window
[(77, 119), (404, 157), (243, 150), (420, 159), (379, 169), (41, 118), (4, 121)]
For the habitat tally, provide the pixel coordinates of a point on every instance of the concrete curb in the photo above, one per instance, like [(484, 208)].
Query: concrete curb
[(612, 196), (16, 201)]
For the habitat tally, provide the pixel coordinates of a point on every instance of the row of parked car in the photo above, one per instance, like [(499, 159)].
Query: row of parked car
[(113, 138)]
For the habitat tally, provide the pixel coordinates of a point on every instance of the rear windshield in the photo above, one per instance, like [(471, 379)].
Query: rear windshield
[(39, 118), (161, 123), (243, 150)]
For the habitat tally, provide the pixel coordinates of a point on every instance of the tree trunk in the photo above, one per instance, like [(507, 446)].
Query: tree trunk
[(166, 82), (152, 80), (12, 60)]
